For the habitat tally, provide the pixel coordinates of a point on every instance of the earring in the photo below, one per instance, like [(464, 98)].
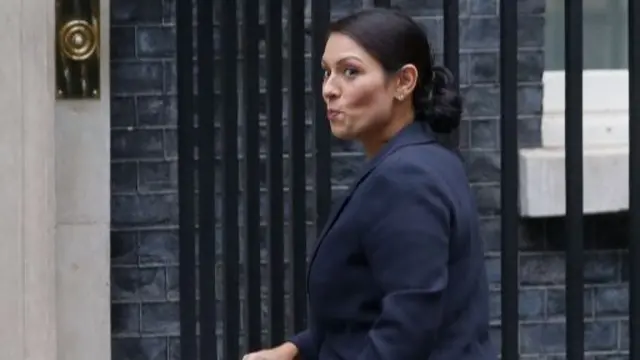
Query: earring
[(400, 97)]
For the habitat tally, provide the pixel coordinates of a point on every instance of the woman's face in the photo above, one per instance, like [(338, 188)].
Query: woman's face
[(356, 90)]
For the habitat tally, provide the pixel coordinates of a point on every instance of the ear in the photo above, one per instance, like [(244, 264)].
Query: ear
[(406, 80)]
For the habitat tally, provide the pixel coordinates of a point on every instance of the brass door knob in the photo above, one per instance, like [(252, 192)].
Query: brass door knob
[(78, 40)]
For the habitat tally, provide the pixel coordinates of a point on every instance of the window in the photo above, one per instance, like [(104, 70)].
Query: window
[(605, 79), (605, 34)]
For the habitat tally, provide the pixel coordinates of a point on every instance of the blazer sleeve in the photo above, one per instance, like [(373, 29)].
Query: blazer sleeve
[(306, 345), (408, 251)]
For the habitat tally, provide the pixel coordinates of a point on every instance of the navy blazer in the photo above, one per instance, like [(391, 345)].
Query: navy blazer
[(398, 271)]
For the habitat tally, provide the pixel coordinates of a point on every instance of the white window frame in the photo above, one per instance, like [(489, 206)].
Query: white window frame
[(605, 122), (606, 151)]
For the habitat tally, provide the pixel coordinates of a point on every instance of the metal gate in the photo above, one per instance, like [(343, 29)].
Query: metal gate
[(244, 227)]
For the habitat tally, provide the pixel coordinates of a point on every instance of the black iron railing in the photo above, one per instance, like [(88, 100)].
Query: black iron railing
[(223, 214)]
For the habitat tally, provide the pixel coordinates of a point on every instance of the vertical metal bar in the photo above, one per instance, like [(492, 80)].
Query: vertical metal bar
[(634, 180), (382, 3), (231, 250), (509, 176), (320, 10), (186, 166), (574, 185), (452, 48), (276, 200), (206, 164), (297, 178), (452, 38), (251, 90)]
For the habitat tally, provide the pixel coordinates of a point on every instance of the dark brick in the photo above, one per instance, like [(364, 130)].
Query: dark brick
[(484, 134), (136, 77), (531, 31), (159, 111), (169, 76), (144, 210), (155, 41), (174, 348), (160, 318), (612, 300), (529, 132), (493, 270), (484, 67), (541, 270), (483, 7), (124, 248), (124, 177), (529, 65), (420, 7), (137, 144), (542, 338), (464, 134), (125, 319), (139, 349), (484, 166), (556, 302), (601, 335), (158, 248), (342, 7), (169, 11), (173, 283), (138, 284), (488, 198), (480, 33), (122, 42), (531, 304), (465, 69), (170, 143), (531, 7), (481, 100), (530, 100), (123, 112), (490, 233), (136, 12), (624, 335), (158, 176)]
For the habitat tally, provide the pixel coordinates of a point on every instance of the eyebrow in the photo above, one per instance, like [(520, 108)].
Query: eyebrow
[(349, 57)]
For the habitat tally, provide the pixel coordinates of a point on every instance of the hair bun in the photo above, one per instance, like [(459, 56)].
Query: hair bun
[(444, 109)]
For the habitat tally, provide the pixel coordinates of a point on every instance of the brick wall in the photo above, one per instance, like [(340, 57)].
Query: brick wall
[(144, 205)]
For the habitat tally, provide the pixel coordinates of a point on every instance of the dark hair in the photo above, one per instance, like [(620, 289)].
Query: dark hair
[(395, 40)]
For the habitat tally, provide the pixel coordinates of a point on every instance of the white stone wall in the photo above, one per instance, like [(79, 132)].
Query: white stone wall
[(54, 198)]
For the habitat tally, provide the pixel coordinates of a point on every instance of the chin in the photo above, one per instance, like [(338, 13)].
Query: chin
[(341, 132)]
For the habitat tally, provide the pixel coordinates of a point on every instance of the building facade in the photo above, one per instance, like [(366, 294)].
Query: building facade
[(128, 194)]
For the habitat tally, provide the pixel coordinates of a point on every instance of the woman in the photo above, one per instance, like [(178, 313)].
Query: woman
[(398, 272)]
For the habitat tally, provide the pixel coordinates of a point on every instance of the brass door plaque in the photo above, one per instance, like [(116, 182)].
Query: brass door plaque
[(78, 49)]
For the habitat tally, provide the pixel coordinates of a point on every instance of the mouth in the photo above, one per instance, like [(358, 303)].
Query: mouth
[(333, 115)]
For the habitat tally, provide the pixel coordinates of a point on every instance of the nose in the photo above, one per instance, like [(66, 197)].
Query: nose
[(329, 90)]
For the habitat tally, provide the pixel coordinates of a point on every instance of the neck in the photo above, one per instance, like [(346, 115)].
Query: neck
[(373, 143)]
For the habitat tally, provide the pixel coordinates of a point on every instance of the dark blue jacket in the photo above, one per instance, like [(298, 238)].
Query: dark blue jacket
[(398, 272)]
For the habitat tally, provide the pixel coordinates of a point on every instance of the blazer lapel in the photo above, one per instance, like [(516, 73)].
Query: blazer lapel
[(413, 133)]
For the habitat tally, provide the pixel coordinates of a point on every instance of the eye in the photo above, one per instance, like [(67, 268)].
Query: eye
[(325, 74), (350, 72)]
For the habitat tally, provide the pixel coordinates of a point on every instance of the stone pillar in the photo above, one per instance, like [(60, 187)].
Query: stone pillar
[(83, 218), (27, 181), (54, 197)]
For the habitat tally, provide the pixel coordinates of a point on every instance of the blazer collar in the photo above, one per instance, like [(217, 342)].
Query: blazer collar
[(415, 133)]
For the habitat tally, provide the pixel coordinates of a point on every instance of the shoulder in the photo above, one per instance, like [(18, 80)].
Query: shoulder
[(421, 164), (412, 172)]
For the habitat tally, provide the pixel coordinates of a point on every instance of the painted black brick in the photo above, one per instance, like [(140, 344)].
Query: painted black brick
[(144, 178)]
